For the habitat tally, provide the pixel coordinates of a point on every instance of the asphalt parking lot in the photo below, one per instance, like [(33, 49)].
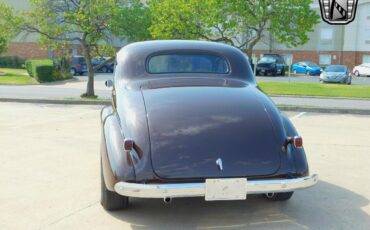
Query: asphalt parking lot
[(49, 178), (309, 79)]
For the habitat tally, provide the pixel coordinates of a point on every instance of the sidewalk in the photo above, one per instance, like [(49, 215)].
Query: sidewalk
[(62, 92), (332, 103)]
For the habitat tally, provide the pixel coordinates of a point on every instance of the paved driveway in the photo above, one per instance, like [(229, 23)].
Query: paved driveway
[(49, 178)]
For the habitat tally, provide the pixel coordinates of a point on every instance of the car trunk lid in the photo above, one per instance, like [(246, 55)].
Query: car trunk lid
[(193, 126)]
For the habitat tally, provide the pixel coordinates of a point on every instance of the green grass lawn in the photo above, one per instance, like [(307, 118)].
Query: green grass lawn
[(315, 89), (15, 77)]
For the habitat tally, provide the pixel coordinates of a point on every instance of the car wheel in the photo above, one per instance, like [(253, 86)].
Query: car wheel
[(73, 72), (308, 73), (283, 196), (283, 72), (295, 71), (357, 74), (111, 200), (274, 73)]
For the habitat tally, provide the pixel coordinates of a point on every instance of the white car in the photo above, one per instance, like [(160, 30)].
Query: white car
[(362, 70)]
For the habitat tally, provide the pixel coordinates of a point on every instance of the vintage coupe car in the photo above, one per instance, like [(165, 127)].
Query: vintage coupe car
[(188, 120)]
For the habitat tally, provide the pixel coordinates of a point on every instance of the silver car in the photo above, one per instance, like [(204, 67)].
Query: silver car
[(336, 74)]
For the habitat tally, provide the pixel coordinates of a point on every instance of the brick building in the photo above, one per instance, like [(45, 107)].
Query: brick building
[(328, 44)]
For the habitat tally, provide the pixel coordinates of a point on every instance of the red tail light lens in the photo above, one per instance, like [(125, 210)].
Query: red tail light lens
[(298, 142), (128, 144)]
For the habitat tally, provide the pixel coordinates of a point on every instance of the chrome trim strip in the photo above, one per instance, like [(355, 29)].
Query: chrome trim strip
[(198, 189)]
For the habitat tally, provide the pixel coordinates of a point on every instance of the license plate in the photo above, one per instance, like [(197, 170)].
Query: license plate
[(226, 189)]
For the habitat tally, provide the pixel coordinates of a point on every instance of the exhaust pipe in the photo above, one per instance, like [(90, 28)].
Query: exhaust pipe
[(167, 200), (270, 195)]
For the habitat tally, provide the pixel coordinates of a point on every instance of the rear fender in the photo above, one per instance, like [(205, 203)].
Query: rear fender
[(116, 163), (298, 154)]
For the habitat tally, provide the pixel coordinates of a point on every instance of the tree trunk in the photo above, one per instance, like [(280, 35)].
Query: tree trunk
[(254, 42), (90, 71), (249, 52)]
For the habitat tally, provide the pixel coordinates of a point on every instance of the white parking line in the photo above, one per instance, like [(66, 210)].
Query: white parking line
[(297, 116)]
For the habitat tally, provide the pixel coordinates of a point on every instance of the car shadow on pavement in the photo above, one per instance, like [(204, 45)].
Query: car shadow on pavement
[(324, 206)]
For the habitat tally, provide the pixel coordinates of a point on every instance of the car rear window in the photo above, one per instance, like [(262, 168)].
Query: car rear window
[(268, 59), (335, 68), (187, 63)]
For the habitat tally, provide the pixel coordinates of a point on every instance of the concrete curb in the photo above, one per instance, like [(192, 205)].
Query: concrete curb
[(108, 102), (319, 97), (323, 110), (56, 101)]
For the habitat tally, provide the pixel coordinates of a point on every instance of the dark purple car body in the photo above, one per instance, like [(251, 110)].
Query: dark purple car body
[(182, 122)]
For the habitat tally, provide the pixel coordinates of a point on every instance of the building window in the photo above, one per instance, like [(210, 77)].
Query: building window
[(326, 35), (367, 36), (325, 59), (366, 59)]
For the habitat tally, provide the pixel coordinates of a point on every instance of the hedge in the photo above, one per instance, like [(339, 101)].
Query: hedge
[(46, 70), (12, 62), (41, 70)]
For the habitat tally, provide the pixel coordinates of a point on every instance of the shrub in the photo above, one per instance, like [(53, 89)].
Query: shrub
[(44, 73), (62, 68), (46, 70), (28, 65), (11, 62), (42, 70)]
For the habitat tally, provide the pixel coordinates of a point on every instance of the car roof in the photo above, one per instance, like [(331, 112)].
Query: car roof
[(147, 47), (271, 54), (140, 52)]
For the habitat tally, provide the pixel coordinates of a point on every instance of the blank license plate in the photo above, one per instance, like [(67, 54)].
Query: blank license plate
[(226, 189)]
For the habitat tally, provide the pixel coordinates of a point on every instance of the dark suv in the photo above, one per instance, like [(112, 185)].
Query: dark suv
[(107, 68), (78, 65), (273, 64)]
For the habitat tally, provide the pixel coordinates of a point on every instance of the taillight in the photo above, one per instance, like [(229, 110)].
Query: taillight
[(128, 144), (297, 142), (78, 66)]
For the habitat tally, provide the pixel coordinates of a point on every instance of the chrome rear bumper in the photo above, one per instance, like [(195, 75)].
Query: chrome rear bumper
[(198, 189)]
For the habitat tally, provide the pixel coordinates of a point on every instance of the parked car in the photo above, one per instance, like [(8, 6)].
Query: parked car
[(306, 67), (188, 120), (78, 65), (273, 64), (107, 68), (336, 74), (362, 70)]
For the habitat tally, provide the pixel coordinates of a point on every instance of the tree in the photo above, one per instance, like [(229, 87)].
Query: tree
[(240, 23), (89, 24), (8, 24)]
